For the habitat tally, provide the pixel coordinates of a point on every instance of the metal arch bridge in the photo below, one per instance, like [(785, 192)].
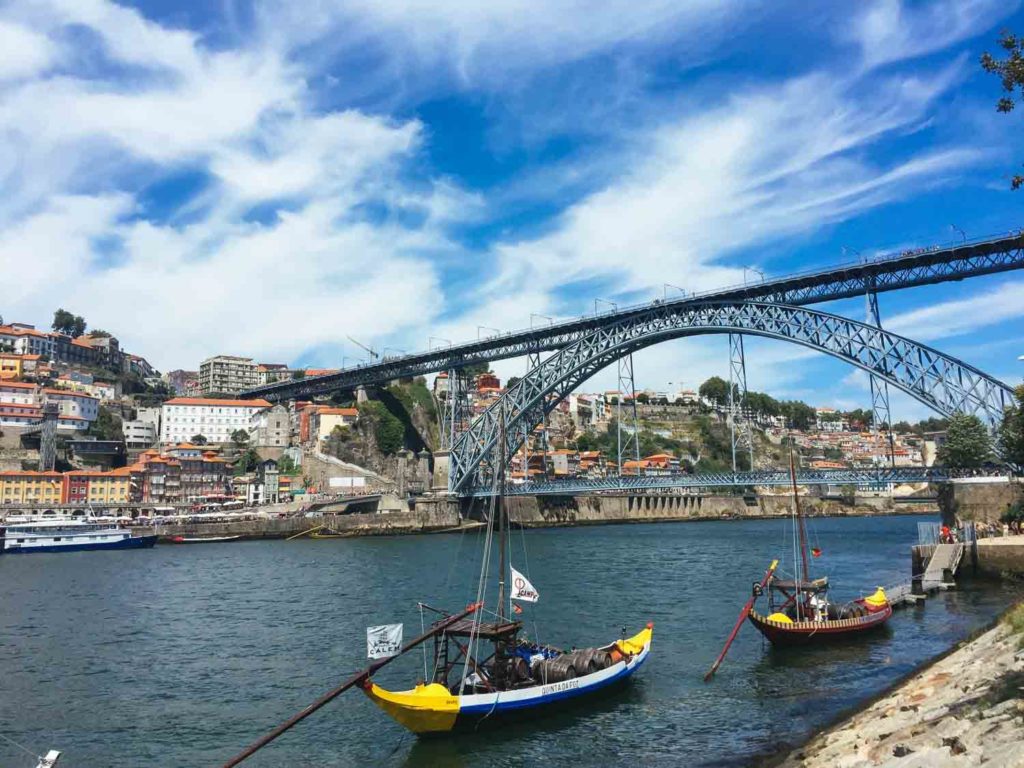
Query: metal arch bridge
[(879, 477), (937, 380), (905, 270)]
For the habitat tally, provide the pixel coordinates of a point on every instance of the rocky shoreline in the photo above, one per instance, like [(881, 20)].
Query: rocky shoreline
[(965, 709)]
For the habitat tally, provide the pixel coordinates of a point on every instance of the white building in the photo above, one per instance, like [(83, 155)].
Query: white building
[(216, 420), (139, 434), (227, 374), (24, 339)]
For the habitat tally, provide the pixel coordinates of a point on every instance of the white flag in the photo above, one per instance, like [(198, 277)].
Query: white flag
[(383, 641), (522, 589)]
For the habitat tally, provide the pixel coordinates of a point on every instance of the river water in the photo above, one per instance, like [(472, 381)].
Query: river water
[(180, 656)]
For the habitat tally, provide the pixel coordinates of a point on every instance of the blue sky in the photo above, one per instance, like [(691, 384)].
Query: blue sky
[(268, 178)]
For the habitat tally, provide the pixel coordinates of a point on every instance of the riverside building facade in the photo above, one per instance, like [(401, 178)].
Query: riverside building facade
[(182, 418), (227, 374)]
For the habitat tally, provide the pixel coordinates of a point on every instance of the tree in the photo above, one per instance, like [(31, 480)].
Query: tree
[(248, 461), (198, 440), (967, 443), (1011, 431), (387, 428), (1011, 71), (68, 323), (716, 389), (99, 333), (643, 398), (240, 438), (473, 370), (107, 426), (512, 381), (300, 374), (799, 415), (903, 427), (286, 465)]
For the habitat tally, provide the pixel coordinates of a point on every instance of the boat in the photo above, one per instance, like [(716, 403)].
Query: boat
[(800, 611), (485, 671), (201, 539), (70, 536), (326, 533)]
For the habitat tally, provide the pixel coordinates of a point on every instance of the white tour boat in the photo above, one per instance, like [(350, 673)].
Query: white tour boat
[(68, 536)]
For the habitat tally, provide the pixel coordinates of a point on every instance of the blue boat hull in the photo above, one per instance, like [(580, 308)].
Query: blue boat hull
[(135, 542)]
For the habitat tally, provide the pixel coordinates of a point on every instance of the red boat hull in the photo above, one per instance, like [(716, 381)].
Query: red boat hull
[(812, 632)]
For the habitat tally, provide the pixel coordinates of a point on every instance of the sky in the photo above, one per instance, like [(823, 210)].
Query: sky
[(271, 178)]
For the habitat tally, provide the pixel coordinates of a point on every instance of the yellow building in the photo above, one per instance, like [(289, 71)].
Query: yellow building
[(31, 487), (85, 487), (11, 367)]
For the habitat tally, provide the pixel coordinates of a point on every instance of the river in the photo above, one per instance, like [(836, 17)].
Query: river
[(182, 655)]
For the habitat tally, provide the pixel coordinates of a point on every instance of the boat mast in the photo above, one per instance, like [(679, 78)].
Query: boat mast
[(799, 517), (502, 522)]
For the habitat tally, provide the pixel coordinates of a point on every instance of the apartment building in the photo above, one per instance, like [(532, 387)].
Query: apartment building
[(227, 374), (139, 434), (23, 487), (323, 420), (215, 419), (82, 487), (271, 428), (24, 339)]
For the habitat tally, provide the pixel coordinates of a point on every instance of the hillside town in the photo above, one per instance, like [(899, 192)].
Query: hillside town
[(127, 434)]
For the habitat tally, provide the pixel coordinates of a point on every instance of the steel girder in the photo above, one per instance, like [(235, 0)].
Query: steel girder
[(937, 380), (704, 480), (924, 267)]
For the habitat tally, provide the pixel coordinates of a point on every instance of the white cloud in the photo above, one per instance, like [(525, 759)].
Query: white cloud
[(25, 52), (960, 316), (891, 31)]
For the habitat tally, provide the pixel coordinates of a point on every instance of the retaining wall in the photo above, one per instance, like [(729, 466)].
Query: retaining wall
[(978, 499)]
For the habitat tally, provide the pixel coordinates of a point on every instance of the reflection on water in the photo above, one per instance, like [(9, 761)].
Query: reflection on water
[(182, 655)]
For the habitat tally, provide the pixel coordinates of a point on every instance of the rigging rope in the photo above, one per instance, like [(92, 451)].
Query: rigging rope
[(24, 749)]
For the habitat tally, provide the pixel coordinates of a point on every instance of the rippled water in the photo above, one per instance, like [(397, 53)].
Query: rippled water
[(180, 656)]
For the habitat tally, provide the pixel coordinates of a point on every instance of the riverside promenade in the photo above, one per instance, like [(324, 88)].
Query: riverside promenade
[(967, 709)]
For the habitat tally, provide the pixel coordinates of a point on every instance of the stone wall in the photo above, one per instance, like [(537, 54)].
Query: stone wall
[(978, 499), (426, 518), (1000, 557), (540, 511)]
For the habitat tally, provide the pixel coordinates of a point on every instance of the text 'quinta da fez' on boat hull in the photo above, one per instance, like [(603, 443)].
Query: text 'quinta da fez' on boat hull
[(433, 709)]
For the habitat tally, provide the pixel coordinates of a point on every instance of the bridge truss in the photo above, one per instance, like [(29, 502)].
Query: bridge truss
[(943, 383), (906, 270)]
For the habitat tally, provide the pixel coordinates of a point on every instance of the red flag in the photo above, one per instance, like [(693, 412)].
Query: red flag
[(516, 608), (816, 552)]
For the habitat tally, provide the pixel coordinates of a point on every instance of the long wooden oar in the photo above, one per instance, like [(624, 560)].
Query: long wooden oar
[(739, 622), (354, 680), (303, 533)]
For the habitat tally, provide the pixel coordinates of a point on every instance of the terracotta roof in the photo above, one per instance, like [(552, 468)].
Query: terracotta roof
[(214, 401), (338, 411), (18, 385), (29, 473), (320, 371)]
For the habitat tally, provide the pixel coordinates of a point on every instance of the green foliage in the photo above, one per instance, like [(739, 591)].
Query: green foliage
[(799, 415), (67, 323), (107, 426), (903, 427), (286, 465), (247, 462), (1011, 431), (512, 381), (475, 369), (643, 398), (99, 333), (240, 438), (387, 428), (967, 443), (1011, 72), (716, 389), (762, 403), (300, 374), (198, 440), (1014, 514), (862, 417)]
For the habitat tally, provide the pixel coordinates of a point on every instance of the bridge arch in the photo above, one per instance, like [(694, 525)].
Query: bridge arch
[(943, 383)]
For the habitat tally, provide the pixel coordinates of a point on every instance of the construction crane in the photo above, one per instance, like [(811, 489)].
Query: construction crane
[(373, 354)]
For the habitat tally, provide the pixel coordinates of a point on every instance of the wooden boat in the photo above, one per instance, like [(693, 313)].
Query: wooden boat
[(485, 672), (800, 611), (326, 533)]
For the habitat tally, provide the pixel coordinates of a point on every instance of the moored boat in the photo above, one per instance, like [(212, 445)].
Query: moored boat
[(800, 611), (201, 539), (485, 672), (70, 536)]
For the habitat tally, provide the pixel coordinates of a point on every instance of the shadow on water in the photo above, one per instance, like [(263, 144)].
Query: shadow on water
[(457, 749)]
